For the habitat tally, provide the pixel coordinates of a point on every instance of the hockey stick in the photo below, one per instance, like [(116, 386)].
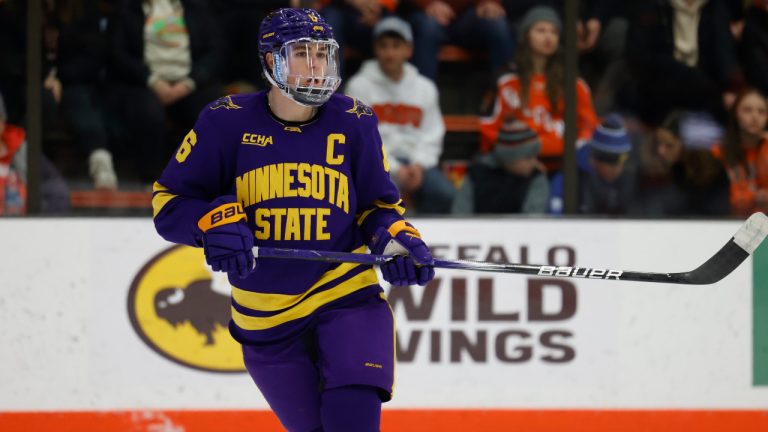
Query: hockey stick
[(727, 259)]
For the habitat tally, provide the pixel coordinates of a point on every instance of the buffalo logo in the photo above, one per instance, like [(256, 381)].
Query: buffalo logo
[(180, 305), (181, 311), (360, 109), (224, 102)]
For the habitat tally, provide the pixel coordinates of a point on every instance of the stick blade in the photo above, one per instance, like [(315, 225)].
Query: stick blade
[(749, 236), (752, 233)]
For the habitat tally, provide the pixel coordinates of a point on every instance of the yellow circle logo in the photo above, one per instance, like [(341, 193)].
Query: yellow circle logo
[(181, 310)]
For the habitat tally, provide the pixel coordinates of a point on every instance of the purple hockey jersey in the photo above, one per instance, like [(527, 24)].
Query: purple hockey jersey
[(323, 184)]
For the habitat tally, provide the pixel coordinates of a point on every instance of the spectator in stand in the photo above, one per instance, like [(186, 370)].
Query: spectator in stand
[(509, 179), (410, 121), (13, 60), (736, 11), (601, 31), (81, 69), (166, 63), (533, 93), (13, 190), (13, 174), (754, 45), (608, 181), (473, 24), (52, 88), (352, 22), (681, 54), (680, 173), (242, 69), (745, 153), (602, 34)]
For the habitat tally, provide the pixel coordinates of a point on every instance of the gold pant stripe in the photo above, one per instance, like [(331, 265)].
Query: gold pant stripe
[(364, 279), (274, 302)]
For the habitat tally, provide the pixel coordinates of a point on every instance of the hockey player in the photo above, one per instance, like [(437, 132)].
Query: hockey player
[(298, 166)]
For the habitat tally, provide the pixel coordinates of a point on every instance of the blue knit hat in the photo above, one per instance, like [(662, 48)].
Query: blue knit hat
[(610, 140)]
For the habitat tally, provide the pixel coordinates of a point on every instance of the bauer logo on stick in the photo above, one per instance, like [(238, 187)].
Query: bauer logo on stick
[(583, 272)]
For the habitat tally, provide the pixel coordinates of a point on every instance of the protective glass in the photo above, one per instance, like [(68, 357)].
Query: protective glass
[(308, 70)]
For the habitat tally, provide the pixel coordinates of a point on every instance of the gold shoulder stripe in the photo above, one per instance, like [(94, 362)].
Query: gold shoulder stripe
[(364, 279), (274, 302)]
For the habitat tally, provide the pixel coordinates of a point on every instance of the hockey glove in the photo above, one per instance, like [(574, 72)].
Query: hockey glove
[(227, 240), (412, 263)]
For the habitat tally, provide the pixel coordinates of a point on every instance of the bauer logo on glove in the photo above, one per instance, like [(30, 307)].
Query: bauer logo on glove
[(223, 214), (227, 240)]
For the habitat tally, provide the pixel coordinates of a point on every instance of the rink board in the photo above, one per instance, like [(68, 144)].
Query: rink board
[(477, 350), (401, 421)]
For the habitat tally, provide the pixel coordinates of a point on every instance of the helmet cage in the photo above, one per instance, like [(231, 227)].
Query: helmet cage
[(306, 70)]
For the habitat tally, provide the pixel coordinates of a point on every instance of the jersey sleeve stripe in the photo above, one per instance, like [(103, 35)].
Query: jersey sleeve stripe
[(160, 197), (381, 205)]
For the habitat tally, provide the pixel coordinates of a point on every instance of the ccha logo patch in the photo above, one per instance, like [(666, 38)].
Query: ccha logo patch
[(175, 307)]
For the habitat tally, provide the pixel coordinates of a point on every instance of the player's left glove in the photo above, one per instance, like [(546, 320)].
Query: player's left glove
[(227, 240), (413, 263)]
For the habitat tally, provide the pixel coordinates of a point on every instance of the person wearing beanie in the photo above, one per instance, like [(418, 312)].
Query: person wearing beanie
[(533, 92), (536, 14), (608, 186), (509, 179), (410, 120)]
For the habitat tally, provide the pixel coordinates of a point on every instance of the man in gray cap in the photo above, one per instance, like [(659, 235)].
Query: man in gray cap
[(410, 121)]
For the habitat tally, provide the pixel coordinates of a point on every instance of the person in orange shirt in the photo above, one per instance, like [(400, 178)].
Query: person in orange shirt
[(745, 153), (533, 93)]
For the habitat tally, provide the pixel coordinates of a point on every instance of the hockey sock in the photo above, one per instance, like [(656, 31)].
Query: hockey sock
[(351, 408)]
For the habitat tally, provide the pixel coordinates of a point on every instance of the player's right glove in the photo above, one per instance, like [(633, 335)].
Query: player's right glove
[(227, 240)]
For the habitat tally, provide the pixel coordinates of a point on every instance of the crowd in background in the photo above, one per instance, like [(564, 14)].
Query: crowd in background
[(671, 107)]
